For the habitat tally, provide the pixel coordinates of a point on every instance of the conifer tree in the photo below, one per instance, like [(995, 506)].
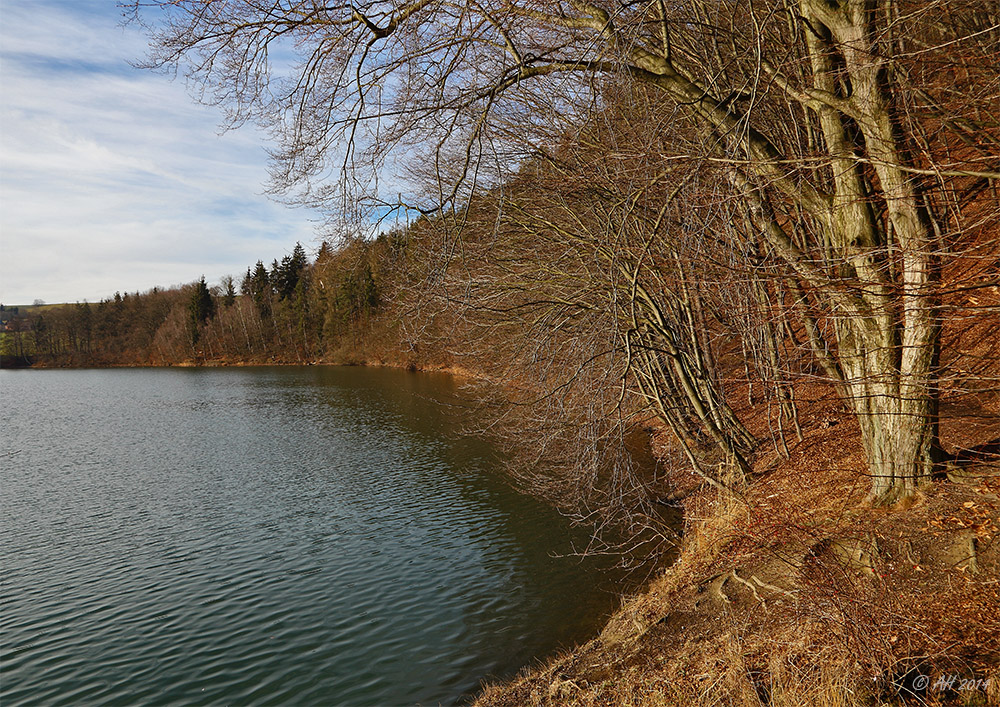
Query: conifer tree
[(201, 308), (229, 297)]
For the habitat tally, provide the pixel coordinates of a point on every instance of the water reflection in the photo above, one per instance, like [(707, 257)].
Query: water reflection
[(304, 535)]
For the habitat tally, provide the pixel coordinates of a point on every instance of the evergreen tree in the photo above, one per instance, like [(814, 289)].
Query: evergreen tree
[(369, 290), (229, 297), (246, 286), (260, 288), (201, 308), (286, 275), (325, 253), (275, 275)]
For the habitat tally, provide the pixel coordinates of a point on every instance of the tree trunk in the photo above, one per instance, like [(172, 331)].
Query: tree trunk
[(890, 384), (900, 439)]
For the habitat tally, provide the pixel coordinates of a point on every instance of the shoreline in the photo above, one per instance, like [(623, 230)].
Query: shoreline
[(777, 580)]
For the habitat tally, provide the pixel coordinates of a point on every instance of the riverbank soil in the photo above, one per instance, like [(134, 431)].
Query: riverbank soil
[(803, 596), (797, 592)]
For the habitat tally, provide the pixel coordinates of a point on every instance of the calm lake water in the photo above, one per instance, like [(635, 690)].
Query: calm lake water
[(313, 536)]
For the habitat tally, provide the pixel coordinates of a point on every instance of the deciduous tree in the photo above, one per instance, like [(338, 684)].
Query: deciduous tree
[(851, 145)]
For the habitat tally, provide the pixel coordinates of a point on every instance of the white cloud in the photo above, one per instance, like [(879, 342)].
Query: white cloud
[(111, 178)]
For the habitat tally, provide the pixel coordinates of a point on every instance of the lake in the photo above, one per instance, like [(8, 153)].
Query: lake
[(274, 535)]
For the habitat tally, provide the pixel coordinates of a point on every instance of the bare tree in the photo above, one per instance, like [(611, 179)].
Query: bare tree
[(852, 143)]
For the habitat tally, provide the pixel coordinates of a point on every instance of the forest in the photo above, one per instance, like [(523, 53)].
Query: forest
[(763, 236), (285, 313)]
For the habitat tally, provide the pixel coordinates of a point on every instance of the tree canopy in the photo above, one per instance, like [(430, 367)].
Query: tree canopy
[(838, 154)]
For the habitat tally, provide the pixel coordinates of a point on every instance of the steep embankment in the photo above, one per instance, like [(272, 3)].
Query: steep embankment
[(798, 594)]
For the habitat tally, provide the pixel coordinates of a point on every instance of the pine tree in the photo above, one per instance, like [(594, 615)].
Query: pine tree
[(229, 297), (201, 308), (260, 288)]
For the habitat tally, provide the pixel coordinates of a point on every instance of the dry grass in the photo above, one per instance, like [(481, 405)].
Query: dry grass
[(799, 595)]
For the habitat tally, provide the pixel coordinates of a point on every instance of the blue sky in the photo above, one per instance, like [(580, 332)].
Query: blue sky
[(113, 178)]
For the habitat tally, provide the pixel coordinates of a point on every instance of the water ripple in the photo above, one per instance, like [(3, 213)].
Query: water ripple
[(267, 536)]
